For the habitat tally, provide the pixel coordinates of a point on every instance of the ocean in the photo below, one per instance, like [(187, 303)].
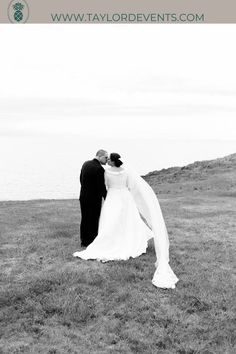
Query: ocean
[(48, 167)]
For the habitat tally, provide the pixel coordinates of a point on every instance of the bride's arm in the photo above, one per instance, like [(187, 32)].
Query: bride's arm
[(106, 179), (127, 180)]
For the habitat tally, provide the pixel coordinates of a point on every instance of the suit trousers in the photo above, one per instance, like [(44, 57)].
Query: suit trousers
[(90, 214)]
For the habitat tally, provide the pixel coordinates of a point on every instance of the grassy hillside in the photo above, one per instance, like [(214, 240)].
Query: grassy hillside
[(53, 303), (214, 177)]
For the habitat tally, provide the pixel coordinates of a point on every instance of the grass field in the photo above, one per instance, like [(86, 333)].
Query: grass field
[(53, 303)]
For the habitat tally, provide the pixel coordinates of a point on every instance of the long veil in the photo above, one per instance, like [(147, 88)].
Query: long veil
[(149, 207)]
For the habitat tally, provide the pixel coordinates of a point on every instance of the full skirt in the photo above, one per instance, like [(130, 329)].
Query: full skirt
[(122, 232)]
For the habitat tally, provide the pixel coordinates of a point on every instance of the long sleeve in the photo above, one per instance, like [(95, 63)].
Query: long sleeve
[(106, 180), (101, 182)]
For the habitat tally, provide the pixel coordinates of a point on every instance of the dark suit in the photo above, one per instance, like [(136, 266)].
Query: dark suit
[(93, 189)]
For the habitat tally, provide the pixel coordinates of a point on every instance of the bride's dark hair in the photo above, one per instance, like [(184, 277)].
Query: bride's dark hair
[(114, 157)]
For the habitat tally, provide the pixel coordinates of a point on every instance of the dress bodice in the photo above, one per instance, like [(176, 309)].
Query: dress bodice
[(117, 180)]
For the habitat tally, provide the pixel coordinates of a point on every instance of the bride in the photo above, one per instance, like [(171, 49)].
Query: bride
[(122, 232)]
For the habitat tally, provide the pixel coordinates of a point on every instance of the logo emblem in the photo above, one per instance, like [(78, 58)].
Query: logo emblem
[(18, 11)]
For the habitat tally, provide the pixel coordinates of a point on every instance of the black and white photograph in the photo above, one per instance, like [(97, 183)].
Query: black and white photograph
[(117, 189)]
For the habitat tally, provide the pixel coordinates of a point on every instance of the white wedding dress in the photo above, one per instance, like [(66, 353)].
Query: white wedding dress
[(122, 232)]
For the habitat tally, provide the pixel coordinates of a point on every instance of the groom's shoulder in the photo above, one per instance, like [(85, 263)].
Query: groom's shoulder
[(91, 164), (87, 163)]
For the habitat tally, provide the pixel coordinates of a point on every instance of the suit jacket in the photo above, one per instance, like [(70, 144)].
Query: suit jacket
[(92, 182)]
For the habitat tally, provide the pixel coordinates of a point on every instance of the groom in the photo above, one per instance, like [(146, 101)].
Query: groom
[(92, 191)]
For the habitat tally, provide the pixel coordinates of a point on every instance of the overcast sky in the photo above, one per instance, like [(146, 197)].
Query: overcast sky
[(163, 81)]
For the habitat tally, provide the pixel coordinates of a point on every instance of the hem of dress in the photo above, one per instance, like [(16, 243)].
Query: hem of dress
[(105, 260)]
